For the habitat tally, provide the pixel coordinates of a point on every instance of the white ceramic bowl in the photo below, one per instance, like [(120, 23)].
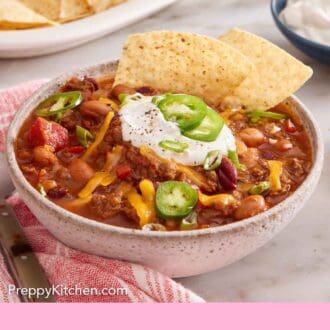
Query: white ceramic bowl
[(176, 253), (48, 40)]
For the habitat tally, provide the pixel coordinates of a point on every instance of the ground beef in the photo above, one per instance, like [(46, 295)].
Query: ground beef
[(114, 133), (71, 120), (103, 208), (296, 167), (110, 201), (142, 167), (86, 86)]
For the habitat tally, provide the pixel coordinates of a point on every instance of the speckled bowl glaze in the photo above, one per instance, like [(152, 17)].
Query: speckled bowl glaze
[(176, 254)]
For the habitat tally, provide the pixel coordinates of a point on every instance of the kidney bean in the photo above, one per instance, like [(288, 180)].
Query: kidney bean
[(57, 192), (227, 174), (122, 89), (252, 137), (250, 206), (145, 90), (268, 154), (94, 108)]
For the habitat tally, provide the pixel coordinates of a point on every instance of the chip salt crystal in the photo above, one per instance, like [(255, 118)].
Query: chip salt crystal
[(182, 63), (276, 76), (308, 18)]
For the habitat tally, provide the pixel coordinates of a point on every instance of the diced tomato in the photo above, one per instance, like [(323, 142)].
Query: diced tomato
[(123, 171), (48, 132), (289, 126), (76, 150)]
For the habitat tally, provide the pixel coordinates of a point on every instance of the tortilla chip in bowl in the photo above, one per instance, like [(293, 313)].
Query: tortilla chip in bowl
[(184, 63), (276, 76)]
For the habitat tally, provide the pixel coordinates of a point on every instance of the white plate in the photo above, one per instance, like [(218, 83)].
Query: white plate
[(33, 42)]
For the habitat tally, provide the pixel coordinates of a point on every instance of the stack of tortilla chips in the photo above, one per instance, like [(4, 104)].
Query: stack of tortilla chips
[(238, 64), (26, 14)]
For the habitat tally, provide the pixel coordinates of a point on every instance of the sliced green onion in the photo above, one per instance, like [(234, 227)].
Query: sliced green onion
[(58, 104), (153, 227), (212, 160), (173, 145), (257, 114), (125, 98), (259, 188), (189, 222), (232, 155), (121, 97), (84, 136), (42, 190)]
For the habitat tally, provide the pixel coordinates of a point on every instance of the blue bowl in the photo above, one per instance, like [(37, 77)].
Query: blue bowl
[(311, 48)]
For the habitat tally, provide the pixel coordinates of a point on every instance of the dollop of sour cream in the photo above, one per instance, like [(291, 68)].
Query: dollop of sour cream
[(308, 18), (144, 124)]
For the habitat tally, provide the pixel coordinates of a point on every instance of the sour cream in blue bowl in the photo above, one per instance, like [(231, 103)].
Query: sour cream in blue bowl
[(306, 23)]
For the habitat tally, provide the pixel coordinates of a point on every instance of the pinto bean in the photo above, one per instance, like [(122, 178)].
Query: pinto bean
[(122, 89), (250, 206), (44, 156), (250, 157), (80, 171), (283, 145), (240, 147), (252, 137), (94, 108)]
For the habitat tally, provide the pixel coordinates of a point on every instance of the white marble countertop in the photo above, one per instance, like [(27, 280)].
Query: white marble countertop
[(295, 266)]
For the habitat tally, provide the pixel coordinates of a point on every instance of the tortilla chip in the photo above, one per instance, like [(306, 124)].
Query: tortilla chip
[(48, 8), (100, 5), (74, 9), (14, 15), (182, 63), (277, 74)]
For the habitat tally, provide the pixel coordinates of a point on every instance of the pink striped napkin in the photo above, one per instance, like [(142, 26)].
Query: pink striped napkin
[(69, 268)]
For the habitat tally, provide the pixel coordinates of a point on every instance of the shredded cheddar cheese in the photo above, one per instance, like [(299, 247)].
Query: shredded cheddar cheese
[(99, 178), (218, 201), (275, 172), (99, 136), (142, 204)]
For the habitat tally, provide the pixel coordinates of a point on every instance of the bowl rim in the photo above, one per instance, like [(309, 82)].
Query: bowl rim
[(300, 38), (75, 219)]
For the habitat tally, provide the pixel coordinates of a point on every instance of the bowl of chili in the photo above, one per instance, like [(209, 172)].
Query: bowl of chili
[(204, 229)]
